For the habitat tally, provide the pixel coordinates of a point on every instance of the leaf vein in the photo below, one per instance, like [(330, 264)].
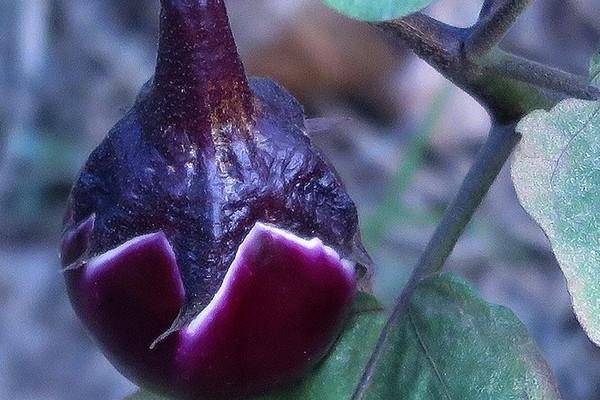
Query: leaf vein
[(595, 77), (428, 355), (587, 122)]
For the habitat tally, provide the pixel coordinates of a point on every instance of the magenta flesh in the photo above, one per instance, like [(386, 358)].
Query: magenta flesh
[(208, 247), (280, 307), (128, 297)]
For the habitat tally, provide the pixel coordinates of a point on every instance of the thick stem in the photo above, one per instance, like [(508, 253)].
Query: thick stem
[(200, 80), (492, 27), (488, 7), (507, 85), (500, 63), (435, 42), (494, 154)]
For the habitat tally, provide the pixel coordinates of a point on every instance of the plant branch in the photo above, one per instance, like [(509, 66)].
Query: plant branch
[(487, 8), (437, 43), (508, 86), (497, 18), (500, 143), (521, 69)]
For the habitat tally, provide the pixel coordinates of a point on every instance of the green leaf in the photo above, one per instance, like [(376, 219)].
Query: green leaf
[(377, 10), (557, 178), (449, 345), (556, 173), (145, 395)]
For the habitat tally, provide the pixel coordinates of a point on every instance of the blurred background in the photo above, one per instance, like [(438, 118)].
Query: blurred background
[(69, 69)]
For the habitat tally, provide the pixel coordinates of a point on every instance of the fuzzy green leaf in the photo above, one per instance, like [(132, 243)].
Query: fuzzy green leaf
[(556, 173), (449, 345), (377, 10), (557, 177)]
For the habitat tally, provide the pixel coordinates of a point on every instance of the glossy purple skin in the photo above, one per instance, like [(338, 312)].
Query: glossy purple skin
[(282, 303), (127, 298), (205, 187)]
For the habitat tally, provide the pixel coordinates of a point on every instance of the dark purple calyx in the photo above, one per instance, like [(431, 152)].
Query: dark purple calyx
[(199, 82), (208, 246)]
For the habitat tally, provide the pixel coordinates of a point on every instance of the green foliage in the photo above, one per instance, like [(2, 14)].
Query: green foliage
[(452, 345), (449, 344), (557, 177), (377, 10), (144, 395)]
